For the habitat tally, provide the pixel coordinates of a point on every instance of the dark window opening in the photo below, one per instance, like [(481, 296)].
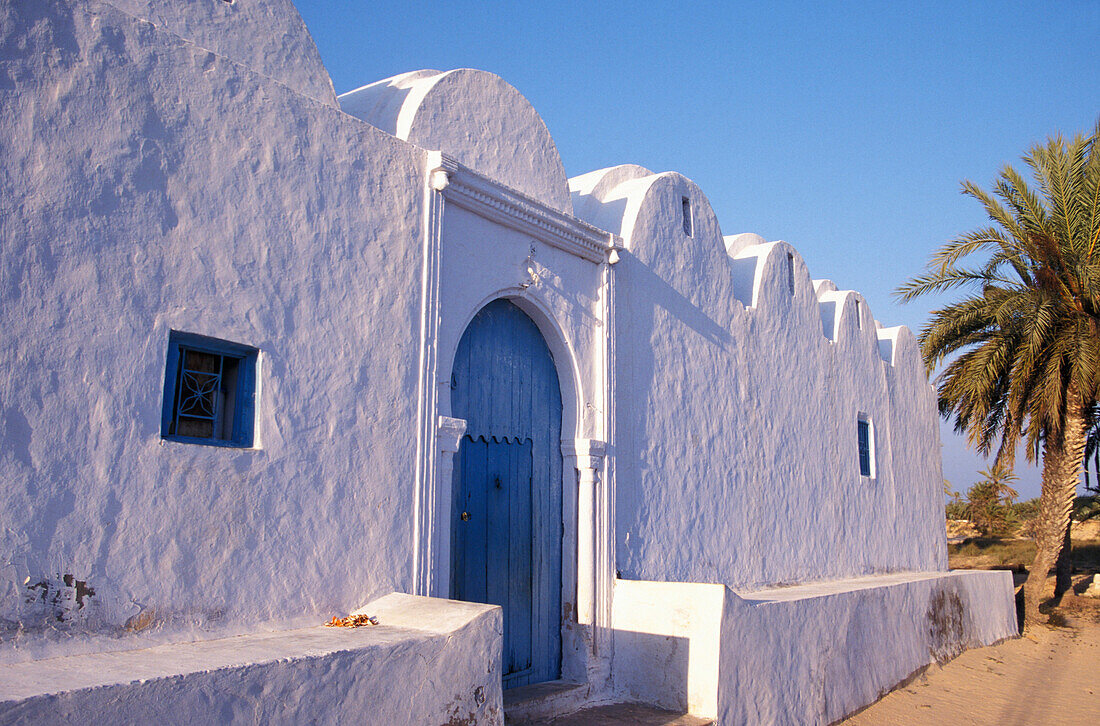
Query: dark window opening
[(685, 203), (863, 435), (790, 273)]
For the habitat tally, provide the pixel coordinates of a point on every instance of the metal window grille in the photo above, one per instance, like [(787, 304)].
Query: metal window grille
[(202, 394), (210, 388)]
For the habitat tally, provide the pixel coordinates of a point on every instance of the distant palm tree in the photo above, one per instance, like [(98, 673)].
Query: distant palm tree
[(1025, 338), (988, 500)]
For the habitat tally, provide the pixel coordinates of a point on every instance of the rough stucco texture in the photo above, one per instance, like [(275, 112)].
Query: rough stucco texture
[(736, 449), (798, 655), (268, 36), (835, 650), (146, 185), (444, 672)]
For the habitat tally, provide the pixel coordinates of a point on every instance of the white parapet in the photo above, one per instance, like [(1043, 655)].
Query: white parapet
[(427, 661), (806, 654)]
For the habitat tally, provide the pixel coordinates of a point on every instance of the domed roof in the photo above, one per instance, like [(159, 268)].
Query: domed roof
[(473, 116)]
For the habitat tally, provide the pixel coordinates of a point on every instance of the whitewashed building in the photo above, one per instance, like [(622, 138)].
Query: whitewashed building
[(272, 355)]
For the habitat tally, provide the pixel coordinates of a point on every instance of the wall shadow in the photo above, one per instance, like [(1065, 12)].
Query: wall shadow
[(652, 668)]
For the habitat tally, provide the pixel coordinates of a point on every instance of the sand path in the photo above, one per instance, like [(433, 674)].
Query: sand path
[(1050, 676)]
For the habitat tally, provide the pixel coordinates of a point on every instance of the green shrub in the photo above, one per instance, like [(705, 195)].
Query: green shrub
[(1085, 508), (956, 510)]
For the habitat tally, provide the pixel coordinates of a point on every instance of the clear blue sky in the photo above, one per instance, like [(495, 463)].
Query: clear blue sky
[(842, 128)]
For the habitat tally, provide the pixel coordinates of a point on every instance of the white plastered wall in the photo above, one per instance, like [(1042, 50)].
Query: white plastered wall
[(736, 454), (147, 185), (809, 654), (187, 191), (267, 36), (429, 661)]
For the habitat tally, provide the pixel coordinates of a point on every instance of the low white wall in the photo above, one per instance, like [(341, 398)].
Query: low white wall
[(809, 654), (816, 653), (428, 661)]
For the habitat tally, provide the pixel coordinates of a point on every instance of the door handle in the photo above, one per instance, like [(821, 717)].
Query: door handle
[(465, 516)]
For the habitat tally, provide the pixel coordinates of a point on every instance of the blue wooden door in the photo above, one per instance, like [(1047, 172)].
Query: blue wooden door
[(506, 519)]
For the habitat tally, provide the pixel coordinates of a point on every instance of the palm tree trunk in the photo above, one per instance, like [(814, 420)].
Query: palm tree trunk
[(1062, 454), (1063, 569)]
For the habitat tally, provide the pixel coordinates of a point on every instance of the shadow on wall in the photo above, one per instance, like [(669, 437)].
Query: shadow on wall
[(641, 293), (652, 668), (662, 295), (637, 322)]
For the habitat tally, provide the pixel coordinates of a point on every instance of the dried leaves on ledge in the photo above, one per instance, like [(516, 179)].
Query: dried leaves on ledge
[(352, 621)]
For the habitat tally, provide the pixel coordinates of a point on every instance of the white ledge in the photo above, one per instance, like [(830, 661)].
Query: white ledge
[(374, 669), (501, 204), (810, 590)]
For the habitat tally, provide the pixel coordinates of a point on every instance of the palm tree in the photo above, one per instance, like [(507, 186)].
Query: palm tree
[(988, 499), (1022, 347)]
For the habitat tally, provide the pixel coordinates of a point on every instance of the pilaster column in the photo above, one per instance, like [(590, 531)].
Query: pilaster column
[(448, 438), (586, 458), (425, 515)]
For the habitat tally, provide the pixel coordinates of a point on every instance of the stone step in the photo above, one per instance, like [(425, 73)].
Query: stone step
[(620, 714), (537, 702)]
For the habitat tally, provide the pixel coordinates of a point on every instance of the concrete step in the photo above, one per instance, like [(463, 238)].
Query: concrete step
[(622, 714), (537, 702)]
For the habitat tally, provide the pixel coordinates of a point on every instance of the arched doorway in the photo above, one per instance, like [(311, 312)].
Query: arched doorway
[(506, 518)]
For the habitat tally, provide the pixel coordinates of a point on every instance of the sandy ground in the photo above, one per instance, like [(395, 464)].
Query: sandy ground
[(1048, 676)]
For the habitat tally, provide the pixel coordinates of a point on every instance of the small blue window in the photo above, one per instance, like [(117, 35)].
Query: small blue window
[(863, 435), (209, 391)]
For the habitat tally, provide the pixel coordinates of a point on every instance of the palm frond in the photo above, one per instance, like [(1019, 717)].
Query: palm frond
[(1027, 330)]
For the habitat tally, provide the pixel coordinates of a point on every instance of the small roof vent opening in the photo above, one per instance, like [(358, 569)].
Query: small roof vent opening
[(790, 273), (685, 203)]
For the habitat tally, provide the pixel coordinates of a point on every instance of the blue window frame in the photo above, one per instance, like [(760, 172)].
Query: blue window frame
[(209, 391), (863, 436)]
